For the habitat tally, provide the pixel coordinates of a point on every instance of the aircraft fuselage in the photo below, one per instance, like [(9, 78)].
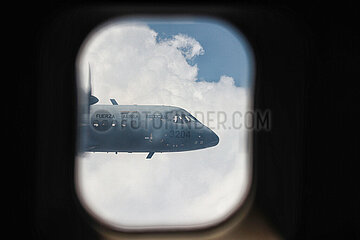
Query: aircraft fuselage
[(144, 128)]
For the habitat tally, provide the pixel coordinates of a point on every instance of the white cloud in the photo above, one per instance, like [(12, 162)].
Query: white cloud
[(185, 188), (189, 47)]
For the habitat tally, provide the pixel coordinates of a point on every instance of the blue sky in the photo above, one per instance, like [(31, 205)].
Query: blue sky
[(226, 50)]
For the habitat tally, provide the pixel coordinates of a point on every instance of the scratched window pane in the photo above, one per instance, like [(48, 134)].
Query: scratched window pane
[(162, 137)]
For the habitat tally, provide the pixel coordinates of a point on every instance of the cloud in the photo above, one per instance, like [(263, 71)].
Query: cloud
[(189, 47), (197, 187)]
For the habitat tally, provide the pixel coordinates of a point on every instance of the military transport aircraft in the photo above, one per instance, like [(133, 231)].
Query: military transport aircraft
[(141, 128)]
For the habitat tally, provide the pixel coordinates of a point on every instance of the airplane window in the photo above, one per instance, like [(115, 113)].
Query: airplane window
[(192, 118), (188, 172), (179, 119), (182, 118), (185, 118), (96, 123), (123, 123)]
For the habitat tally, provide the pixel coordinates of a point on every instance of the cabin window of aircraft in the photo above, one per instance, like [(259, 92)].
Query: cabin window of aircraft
[(157, 144)]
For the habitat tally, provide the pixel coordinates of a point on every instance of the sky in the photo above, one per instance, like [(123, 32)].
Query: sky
[(200, 65), (225, 52)]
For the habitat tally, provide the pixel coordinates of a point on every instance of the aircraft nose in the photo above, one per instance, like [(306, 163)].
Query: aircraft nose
[(213, 139)]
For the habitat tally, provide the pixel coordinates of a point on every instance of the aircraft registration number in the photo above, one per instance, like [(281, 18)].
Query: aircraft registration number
[(179, 134)]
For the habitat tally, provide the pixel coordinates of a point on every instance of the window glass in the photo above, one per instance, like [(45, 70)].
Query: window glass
[(166, 71), (187, 119), (96, 123)]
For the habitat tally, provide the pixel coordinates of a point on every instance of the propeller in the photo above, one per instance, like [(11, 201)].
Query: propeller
[(92, 99)]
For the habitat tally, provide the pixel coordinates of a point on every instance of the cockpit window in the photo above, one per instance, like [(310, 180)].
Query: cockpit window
[(182, 118), (177, 119), (192, 118), (187, 118)]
